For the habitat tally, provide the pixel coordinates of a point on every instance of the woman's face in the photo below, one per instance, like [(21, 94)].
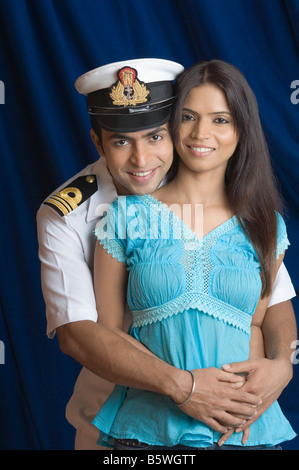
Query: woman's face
[(207, 136)]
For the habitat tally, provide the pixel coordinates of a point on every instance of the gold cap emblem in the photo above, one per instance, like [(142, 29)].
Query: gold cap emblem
[(128, 90)]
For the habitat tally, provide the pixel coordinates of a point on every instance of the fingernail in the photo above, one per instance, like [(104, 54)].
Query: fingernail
[(238, 429), (227, 366), (238, 384), (221, 443)]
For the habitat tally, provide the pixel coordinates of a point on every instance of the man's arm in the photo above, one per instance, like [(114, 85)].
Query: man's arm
[(112, 357)]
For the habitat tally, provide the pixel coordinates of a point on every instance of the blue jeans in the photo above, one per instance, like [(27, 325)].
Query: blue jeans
[(133, 444)]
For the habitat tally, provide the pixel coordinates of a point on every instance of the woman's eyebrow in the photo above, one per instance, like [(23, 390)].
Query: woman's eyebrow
[(212, 113), (222, 112)]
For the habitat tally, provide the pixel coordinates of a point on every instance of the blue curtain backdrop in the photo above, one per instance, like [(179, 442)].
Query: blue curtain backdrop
[(44, 140)]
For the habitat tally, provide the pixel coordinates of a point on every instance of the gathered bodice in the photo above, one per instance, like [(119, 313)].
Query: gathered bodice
[(171, 269)]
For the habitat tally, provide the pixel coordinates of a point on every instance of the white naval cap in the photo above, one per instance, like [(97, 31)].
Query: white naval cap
[(130, 95)]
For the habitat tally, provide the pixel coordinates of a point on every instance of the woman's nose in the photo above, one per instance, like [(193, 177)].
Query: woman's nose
[(201, 130)]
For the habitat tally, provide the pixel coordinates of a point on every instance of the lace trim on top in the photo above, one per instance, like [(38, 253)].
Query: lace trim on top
[(114, 249), (183, 231), (282, 246), (199, 301)]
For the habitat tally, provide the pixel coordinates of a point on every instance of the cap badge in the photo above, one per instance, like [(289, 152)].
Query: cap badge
[(128, 90)]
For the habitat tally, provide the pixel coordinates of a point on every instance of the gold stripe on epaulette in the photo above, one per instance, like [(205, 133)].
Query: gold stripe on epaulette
[(57, 204), (66, 200)]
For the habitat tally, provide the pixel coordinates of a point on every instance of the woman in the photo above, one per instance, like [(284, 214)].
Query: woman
[(197, 258)]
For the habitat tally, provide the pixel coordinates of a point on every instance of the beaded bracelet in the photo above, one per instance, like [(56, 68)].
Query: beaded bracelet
[(192, 390)]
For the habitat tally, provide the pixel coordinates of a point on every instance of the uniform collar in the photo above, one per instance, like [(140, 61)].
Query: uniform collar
[(105, 194)]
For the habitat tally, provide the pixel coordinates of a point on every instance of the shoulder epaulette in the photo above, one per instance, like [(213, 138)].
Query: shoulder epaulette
[(70, 197)]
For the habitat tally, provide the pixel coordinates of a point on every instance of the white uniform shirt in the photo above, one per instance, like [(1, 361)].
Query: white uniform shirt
[(66, 251)]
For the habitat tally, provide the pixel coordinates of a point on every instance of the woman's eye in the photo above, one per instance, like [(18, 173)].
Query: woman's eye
[(187, 117), (221, 120)]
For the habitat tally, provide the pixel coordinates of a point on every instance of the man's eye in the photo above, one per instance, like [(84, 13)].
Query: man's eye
[(120, 143), (155, 138)]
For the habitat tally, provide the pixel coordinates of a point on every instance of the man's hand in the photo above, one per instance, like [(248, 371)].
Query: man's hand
[(218, 400), (266, 378)]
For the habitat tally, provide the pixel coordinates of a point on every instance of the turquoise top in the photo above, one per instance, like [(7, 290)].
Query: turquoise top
[(192, 301)]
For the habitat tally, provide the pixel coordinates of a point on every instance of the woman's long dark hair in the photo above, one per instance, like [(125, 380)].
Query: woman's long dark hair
[(250, 182)]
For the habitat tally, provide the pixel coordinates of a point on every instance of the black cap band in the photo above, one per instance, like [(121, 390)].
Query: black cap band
[(152, 113), (135, 121)]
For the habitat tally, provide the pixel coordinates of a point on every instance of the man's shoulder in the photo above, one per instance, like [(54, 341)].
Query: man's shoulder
[(74, 192), (80, 200)]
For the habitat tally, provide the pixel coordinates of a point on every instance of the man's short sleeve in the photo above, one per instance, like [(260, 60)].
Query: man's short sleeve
[(66, 278)]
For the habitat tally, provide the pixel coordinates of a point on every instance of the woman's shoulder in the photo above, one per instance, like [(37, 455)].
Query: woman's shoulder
[(280, 220), (282, 236), (281, 226)]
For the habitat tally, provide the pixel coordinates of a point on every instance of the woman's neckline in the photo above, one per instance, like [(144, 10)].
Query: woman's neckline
[(222, 227)]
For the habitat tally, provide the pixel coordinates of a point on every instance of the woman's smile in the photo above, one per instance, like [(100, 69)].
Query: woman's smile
[(201, 151)]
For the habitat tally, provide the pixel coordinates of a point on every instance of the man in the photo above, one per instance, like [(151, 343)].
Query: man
[(130, 105)]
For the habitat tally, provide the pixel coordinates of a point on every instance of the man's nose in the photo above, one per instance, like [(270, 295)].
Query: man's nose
[(140, 155)]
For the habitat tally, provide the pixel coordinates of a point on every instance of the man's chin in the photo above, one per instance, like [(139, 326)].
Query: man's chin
[(139, 188)]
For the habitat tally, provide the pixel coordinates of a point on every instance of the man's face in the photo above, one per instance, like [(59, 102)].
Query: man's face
[(137, 161)]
